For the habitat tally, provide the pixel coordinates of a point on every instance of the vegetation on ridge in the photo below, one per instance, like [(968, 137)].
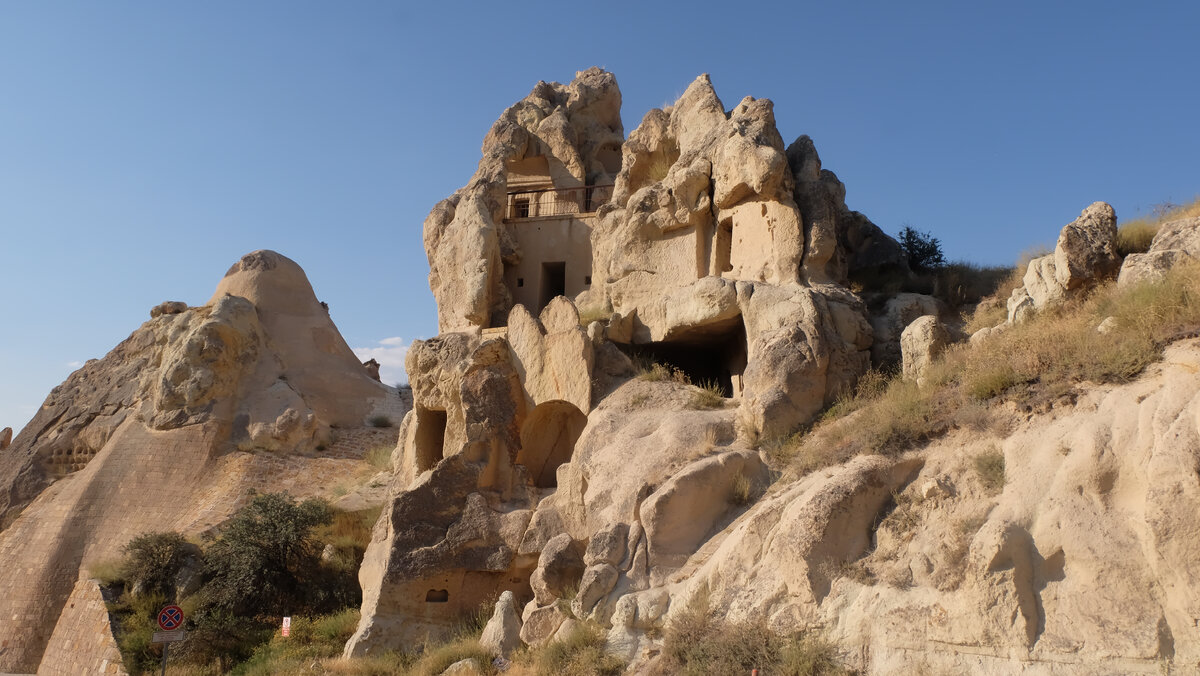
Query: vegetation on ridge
[(1033, 364)]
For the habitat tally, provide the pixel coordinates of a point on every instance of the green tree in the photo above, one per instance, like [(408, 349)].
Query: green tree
[(266, 554), (923, 250), (153, 559)]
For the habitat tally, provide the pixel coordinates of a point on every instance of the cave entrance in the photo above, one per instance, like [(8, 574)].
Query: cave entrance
[(709, 354), (430, 437), (554, 283), (548, 439)]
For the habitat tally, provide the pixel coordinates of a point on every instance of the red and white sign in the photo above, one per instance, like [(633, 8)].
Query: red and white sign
[(287, 626), (170, 617)]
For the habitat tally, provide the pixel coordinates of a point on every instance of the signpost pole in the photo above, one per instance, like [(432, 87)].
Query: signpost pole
[(164, 664)]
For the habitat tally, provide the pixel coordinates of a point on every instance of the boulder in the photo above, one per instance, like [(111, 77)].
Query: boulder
[(921, 343), (888, 325), (502, 635), (1086, 252), (1084, 256), (1176, 242), (559, 570), (170, 307), (539, 623), (6, 435)]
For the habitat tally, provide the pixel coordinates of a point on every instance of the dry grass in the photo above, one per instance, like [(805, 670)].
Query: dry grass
[(1135, 236), (593, 314), (707, 395), (655, 371), (742, 490), (1033, 363), (380, 457), (107, 571), (698, 643), (580, 654)]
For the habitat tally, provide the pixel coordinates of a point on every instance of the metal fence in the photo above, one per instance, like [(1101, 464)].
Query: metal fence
[(556, 202)]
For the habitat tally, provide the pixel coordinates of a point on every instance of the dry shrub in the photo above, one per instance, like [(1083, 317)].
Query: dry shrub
[(742, 490), (581, 653), (707, 395), (1039, 360), (593, 314), (697, 642), (989, 467), (380, 457), (993, 308)]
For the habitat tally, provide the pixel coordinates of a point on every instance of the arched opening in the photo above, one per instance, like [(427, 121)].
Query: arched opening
[(548, 439), (430, 437)]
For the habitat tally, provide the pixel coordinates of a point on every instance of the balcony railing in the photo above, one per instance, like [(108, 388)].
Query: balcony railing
[(556, 201)]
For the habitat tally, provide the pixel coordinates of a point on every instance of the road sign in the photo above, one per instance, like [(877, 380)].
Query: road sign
[(170, 617), (169, 636), (287, 626)]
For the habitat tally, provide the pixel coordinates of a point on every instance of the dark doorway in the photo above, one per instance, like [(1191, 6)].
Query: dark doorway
[(712, 354), (554, 282)]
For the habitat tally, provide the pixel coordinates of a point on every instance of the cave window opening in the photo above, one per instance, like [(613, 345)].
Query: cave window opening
[(723, 248), (430, 438), (554, 282), (437, 596), (708, 355)]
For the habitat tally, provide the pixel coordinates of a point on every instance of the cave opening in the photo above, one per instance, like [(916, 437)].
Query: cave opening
[(710, 354), (430, 437)]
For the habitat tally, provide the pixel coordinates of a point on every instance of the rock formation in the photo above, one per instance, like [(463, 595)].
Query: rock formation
[(716, 250), (1176, 242), (1085, 255), (170, 431), (535, 464)]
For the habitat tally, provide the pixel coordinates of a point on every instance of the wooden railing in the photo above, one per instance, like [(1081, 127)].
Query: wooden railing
[(556, 201)]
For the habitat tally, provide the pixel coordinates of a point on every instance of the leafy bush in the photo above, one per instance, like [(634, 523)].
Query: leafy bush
[(924, 251), (262, 560), (153, 559)]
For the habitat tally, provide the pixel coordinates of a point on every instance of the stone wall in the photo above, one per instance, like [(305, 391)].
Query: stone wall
[(82, 642)]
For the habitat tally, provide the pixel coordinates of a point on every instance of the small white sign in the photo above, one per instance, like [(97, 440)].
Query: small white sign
[(172, 636), (287, 626)]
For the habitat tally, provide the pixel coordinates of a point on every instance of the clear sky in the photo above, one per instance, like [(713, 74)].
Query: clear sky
[(145, 146)]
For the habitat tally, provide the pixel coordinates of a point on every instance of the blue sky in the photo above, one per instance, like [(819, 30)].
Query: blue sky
[(145, 146)]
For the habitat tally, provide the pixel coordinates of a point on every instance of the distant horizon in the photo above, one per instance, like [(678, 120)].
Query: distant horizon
[(150, 147)]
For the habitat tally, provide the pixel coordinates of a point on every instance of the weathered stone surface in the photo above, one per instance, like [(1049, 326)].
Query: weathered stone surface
[(559, 569), (1150, 266), (1086, 252), (805, 348), (260, 364), (607, 545), (539, 623), (1175, 243), (598, 580), (502, 635), (170, 307), (889, 324), (572, 128), (6, 435), (1084, 256), (921, 343)]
